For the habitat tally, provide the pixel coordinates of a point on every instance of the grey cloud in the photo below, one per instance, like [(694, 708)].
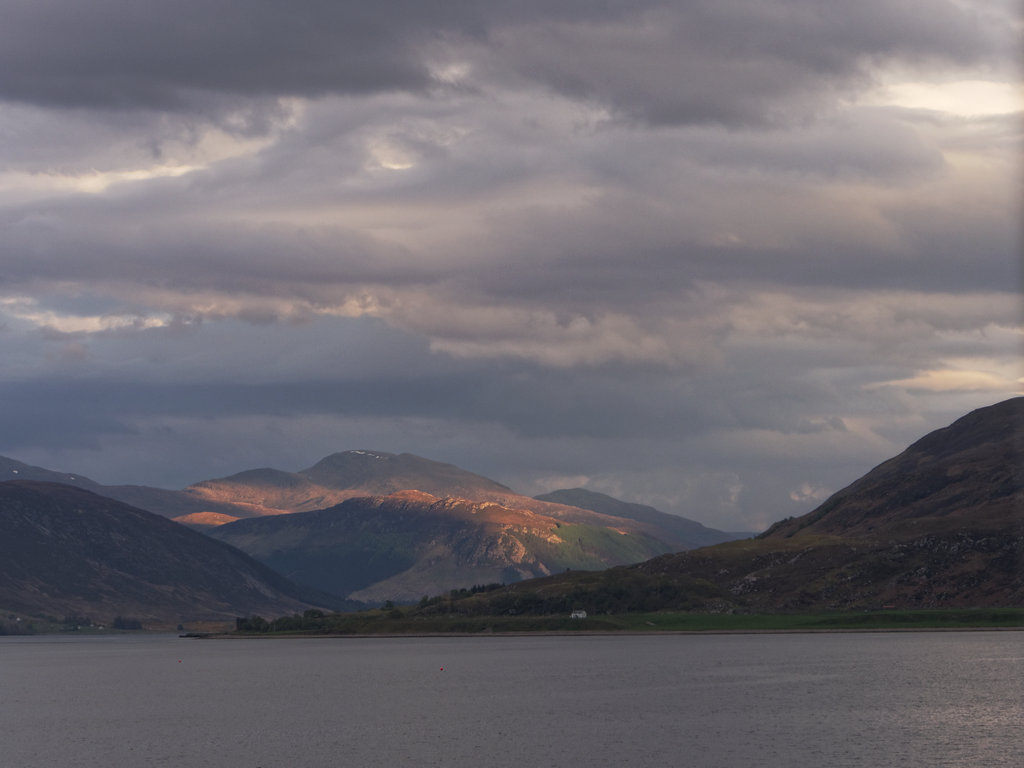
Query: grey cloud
[(344, 367), (618, 247), (867, 145), (674, 62), (741, 62), (107, 54), (620, 252), (85, 243)]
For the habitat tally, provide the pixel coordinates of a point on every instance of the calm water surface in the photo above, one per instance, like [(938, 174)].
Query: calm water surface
[(885, 699)]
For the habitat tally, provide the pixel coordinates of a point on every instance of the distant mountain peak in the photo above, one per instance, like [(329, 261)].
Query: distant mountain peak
[(383, 473), (368, 454)]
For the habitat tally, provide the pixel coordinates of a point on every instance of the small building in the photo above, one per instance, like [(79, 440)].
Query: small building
[(577, 614)]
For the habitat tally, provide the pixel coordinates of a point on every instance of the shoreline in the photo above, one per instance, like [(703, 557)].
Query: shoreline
[(583, 633)]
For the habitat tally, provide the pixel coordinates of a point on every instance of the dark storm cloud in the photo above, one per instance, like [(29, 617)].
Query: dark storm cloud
[(737, 61), (674, 62), (111, 54)]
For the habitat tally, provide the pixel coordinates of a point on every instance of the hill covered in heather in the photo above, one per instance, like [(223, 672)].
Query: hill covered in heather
[(968, 474), (939, 525)]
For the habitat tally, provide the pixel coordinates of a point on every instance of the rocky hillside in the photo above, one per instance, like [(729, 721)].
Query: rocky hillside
[(353, 474), (409, 544), (363, 474), (65, 550), (338, 477), (940, 525)]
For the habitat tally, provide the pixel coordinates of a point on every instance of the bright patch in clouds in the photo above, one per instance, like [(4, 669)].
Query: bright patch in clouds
[(100, 181), (26, 310), (389, 156), (969, 98), (22, 185), (952, 380)]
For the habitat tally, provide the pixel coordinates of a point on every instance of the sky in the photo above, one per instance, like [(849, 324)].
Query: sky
[(717, 256)]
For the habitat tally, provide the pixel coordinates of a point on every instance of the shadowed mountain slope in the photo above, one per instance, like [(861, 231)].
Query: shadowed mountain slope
[(160, 501), (65, 550)]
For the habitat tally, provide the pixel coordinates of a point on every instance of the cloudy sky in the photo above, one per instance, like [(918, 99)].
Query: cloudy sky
[(718, 256)]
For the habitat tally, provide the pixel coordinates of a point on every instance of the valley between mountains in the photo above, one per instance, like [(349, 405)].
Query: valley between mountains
[(940, 525)]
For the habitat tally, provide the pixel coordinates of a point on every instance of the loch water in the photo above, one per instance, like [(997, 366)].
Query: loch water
[(707, 701)]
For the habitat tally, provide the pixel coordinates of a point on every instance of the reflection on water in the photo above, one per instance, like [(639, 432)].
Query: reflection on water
[(876, 699)]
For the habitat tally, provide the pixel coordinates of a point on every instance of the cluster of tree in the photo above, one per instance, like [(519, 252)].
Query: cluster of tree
[(74, 621), (120, 622), (15, 626), (457, 594), (311, 620)]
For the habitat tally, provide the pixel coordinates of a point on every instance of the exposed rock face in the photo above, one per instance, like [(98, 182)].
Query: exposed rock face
[(409, 544)]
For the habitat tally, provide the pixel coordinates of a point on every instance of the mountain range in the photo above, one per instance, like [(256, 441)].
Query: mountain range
[(351, 474), (940, 525), (370, 526)]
